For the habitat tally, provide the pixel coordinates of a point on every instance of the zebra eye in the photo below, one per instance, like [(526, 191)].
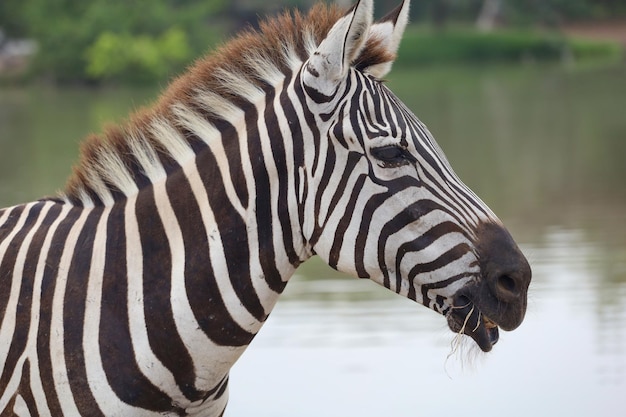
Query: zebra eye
[(392, 156)]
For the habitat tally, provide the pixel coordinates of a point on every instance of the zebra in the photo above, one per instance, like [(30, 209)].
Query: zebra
[(134, 291)]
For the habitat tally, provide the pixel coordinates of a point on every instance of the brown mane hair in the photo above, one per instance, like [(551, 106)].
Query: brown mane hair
[(278, 43)]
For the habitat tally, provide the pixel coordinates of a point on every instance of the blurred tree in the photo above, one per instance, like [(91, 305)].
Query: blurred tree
[(148, 39), (555, 12), (70, 33), (489, 13)]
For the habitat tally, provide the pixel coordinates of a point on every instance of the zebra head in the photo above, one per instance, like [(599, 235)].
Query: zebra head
[(382, 201)]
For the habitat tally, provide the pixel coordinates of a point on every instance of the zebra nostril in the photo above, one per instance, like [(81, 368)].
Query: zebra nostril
[(507, 287)]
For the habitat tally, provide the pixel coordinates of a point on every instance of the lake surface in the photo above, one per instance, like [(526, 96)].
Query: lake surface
[(544, 147)]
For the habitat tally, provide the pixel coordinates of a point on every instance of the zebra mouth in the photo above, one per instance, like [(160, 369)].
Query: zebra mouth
[(466, 318)]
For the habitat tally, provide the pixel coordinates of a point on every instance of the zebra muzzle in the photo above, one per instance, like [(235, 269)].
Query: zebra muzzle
[(466, 318)]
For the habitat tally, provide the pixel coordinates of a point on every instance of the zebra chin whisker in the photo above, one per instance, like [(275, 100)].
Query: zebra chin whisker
[(459, 338), (455, 307)]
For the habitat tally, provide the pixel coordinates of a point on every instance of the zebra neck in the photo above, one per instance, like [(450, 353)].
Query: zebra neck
[(222, 178)]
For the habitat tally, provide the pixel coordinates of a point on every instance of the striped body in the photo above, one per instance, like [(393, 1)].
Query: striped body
[(135, 291)]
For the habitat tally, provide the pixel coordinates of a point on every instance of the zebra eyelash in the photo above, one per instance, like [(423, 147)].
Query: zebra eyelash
[(393, 156)]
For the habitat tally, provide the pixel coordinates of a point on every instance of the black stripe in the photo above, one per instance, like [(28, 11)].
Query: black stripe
[(219, 387), (423, 241), (207, 302), (116, 349), (362, 237), (425, 288), (296, 137), (309, 119), (9, 223), (74, 316), (341, 187), (319, 97), (279, 155), (222, 390), (373, 129), (355, 115), (197, 270), (423, 144), (444, 259), (22, 313), (339, 100), (8, 257), (25, 390), (8, 410), (48, 285), (263, 206), (24, 306), (379, 103), (394, 112), (163, 336), (327, 175), (407, 216), (232, 148), (200, 281), (345, 220)]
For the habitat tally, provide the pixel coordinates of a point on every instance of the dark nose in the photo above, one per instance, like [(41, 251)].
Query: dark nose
[(504, 267)]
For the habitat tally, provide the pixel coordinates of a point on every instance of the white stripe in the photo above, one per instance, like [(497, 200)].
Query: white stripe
[(10, 313), (172, 141), (211, 136), (267, 296), (96, 182), (146, 157), (291, 57), (216, 254), (57, 349), (147, 361), (105, 397), (35, 377), (20, 408), (236, 117), (211, 361), (218, 105), (113, 170), (292, 199), (8, 322), (5, 215), (239, 84)]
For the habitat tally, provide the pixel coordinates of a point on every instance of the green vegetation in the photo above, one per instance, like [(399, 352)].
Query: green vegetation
[(422, 46), (115, 40), (148, 41), (136, 58)]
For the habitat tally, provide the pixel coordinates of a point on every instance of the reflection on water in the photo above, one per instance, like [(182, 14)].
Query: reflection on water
[(588, 279), (345, 347), (543, 147)]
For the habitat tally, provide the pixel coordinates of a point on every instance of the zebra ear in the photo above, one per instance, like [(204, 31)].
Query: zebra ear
[(388, 31), (330, 62)]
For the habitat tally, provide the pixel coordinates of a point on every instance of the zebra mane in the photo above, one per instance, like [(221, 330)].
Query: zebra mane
[(117, 163)]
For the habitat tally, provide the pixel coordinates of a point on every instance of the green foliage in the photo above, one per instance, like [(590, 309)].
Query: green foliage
[(518, 12), (148, 40), (137, 58), (584, 49), (422, 46), (143, 39), (545, 12)]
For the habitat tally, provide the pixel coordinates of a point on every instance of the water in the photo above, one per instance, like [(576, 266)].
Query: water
[(544, 147)]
